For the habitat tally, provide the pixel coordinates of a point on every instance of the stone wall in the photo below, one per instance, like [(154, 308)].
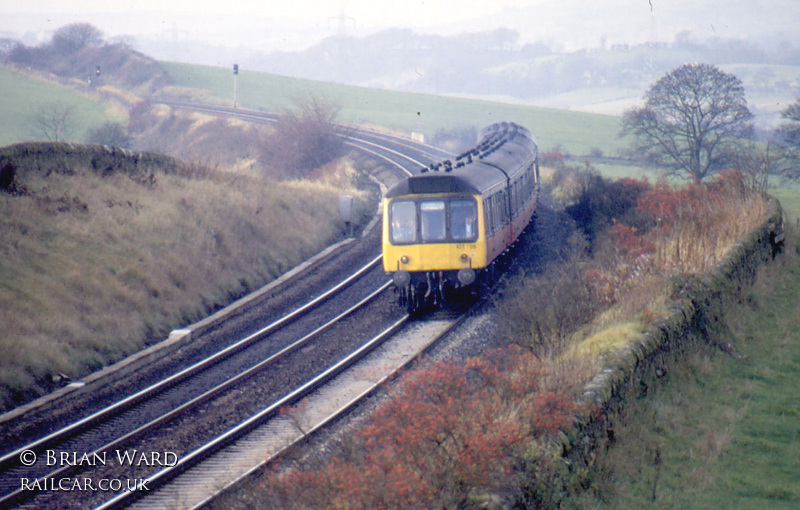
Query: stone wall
[(696, 316), (54, 157)]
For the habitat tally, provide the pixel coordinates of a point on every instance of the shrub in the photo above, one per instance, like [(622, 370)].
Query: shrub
[(595, 202), (553, 157), (8, 178), (111, 134), (304, 140), (545, 310), (456, 431), (692, 227)]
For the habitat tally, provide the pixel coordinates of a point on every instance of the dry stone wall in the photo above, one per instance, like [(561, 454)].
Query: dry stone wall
[(696, 316), (50, 157)]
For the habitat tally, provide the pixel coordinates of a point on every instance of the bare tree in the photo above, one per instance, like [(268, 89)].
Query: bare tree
[(305, 138), (692, 119), (53, 122), (788, 134), (757, 161), (74, 37)]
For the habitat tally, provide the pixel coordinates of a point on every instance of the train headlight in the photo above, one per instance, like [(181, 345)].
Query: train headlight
[(464, 257), (465, 276), (404, 259)]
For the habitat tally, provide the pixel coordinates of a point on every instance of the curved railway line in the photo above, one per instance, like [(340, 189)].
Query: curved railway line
[(207, 412)]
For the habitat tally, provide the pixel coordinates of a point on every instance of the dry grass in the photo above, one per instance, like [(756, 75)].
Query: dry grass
[(92, 268), (699, 241)]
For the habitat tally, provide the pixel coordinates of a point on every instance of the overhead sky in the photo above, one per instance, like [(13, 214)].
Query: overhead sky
[(290, 24)]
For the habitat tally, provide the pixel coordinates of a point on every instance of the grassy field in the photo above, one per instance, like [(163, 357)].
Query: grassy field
[(577, 133), (724, 427), (22, 97)]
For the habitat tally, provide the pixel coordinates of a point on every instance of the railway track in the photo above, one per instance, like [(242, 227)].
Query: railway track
[(402, 153), (168, 436), (276, 433), (229, 378)]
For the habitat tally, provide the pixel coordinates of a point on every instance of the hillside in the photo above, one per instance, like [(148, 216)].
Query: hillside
[(94, 65), (493, 65), (103, 252), (575, 132), (128, 77)]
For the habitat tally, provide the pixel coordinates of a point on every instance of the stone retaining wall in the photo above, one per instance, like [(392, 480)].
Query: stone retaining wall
[(696, 316), (50, 157)]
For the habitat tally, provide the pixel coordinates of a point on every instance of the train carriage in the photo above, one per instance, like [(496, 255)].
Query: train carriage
[(445, 227)]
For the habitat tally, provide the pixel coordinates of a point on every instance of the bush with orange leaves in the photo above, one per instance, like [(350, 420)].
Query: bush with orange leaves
[(455, 433), (671, 231), (688, 229)]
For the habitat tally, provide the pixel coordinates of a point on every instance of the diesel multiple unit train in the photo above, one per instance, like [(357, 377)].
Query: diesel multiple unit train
[(444, 228)]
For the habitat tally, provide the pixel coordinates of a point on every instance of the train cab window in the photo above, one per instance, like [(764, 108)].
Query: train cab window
[(404, 221), (432, 220), (463, 220)]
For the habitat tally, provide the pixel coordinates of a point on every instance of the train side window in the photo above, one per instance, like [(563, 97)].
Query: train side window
[(502, 203), (493, 200), (487, 215), (433, 220), (498, 213), (403, 215), (463, 220)]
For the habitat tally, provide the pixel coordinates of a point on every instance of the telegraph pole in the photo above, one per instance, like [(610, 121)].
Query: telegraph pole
[(235, 75)]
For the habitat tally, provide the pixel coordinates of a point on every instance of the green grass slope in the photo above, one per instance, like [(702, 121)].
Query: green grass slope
[(577, 133), (22, 97)]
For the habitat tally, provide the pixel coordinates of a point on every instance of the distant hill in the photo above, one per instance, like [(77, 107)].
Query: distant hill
[(492, 65)]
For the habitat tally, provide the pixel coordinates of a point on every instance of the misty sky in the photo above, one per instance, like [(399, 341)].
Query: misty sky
[(275, 25)]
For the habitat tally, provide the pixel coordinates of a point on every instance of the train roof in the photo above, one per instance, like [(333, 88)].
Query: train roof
[(502, 152), (471, 179)]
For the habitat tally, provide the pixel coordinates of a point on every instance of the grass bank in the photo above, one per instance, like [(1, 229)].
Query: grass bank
[(95, 265)]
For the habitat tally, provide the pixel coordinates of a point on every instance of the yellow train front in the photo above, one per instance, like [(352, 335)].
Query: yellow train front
[(444, 228)]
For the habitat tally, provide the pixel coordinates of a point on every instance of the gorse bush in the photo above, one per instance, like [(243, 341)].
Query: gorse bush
[(545, 309), (593, 201), (111, 133)]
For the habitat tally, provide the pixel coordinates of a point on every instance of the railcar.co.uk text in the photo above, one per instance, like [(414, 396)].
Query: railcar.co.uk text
[(61, 459)]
